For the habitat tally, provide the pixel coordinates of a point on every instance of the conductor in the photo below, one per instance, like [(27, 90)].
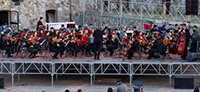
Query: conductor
[(98, 38)]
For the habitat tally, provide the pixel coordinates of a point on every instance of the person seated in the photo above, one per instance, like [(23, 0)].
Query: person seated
[(67, 90), (73, 46), (121, 87), (114, 44), (134, 48), (196, 89), (62, 29), (33, 49), (110, 89), (4, 46), (79, 90), (154, 47), (89, 46), (54, 47)]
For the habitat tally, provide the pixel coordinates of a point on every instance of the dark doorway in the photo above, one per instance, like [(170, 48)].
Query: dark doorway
[(51, 16), (3, 18), (9, 19)]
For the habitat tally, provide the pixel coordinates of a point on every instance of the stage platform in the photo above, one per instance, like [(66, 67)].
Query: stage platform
[(92, 68)]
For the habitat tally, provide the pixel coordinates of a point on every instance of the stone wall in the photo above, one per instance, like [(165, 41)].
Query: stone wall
[(31, 10)]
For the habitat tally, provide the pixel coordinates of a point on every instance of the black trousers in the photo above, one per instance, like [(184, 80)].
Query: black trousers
[(111, 49), (62, 49), (56, 52), (8, 50), (97, 50), (73, 50), (88, 48), (152, 51), (130, 53), (185, 52), (33, 51)]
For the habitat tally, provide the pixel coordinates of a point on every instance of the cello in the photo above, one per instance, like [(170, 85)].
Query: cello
[(128, 48), (174, 45)]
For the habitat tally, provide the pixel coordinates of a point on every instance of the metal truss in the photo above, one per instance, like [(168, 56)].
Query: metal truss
[(142, 9), (93, 69)]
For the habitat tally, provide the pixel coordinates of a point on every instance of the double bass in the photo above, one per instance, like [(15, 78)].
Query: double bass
[(182, 43), (181, 48)]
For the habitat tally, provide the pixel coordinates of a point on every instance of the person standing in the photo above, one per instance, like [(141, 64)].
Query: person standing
[(98, 38), (187, 33), (39, 23)]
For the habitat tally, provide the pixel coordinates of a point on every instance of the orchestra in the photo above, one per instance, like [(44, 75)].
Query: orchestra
[(90, 41)]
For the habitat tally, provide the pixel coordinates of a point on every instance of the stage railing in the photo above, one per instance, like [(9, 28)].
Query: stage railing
[(92, 69)]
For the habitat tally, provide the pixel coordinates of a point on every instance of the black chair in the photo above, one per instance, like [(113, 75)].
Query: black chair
[(138, 86), (2, 52)]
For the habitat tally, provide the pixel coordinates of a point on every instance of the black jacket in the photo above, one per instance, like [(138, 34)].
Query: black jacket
[(135, 45), (2, 44), (98, 36), (39, 23)]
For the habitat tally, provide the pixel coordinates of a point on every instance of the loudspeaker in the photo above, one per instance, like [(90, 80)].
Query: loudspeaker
[(1, 82), (184, 82), (195, 7), (187, 7)]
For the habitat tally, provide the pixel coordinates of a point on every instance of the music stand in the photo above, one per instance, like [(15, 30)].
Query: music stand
[(71, 26)]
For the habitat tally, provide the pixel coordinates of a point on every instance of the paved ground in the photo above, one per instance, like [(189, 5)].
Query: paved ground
[(38, 83)]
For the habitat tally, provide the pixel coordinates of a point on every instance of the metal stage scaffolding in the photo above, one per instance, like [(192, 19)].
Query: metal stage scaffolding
[(92, 69)]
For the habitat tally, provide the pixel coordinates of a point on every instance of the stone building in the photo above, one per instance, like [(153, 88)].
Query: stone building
[(28, 12)]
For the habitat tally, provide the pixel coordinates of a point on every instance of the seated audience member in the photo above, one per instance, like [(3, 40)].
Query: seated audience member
[(196, 89), (110, 89), (79, 90), (67, 90), (121, 87)]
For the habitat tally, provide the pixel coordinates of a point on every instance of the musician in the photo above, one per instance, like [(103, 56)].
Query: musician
[(73, 46), (155, 46), (134, 48), (40, 33), (114, 44), (98, 38), (195, 30), (154, 29), (124, 34), (54, 47), (3, 31), (195, 38), (39, 23), (90, 46), (52, 32), (136, 33), (90, 27), (62, 46), (63, 29), (3, 46), (170, 28), (33, 49), (79, 28), (187, 32)]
